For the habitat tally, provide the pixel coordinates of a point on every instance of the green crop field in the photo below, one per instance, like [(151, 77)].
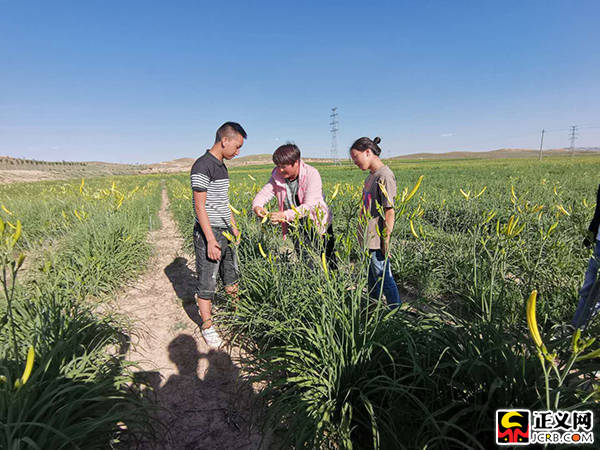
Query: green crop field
[(83, 239), (339, 371), (335, 369)]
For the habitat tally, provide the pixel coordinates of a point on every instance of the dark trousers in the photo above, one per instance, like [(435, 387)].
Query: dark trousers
[(308, 239)]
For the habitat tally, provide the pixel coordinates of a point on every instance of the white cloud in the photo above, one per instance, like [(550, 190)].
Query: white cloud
[(447, 135)]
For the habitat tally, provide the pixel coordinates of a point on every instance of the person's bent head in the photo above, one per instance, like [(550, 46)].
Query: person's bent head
[(364, 150), (287, 160), (230, 137)]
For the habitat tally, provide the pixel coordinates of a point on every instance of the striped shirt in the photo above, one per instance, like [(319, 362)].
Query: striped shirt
[(210, 175)]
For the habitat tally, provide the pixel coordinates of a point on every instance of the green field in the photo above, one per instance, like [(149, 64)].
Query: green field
[(81, 241), (336, 369), (342, 372)]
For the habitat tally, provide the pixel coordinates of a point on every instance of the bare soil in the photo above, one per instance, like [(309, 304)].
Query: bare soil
[(14, 170), (8, 176), (204, 403)]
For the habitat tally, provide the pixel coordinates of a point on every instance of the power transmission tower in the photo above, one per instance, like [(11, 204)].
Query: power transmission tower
[(572, 137), (334, 129), (542, 143)]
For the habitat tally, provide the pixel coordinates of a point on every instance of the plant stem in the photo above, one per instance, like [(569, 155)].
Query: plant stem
[(9, 298), (546, 380)]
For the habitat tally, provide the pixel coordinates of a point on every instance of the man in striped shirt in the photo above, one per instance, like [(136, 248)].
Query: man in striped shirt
[(214, 254)]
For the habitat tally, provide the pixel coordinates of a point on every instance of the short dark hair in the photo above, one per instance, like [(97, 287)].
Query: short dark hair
[(286, 154), (364, 143), (229, 129)]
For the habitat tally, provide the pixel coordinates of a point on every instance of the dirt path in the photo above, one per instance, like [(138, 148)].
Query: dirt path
[(204, 402)]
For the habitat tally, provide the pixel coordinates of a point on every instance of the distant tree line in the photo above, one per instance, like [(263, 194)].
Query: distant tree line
[(8, 161)]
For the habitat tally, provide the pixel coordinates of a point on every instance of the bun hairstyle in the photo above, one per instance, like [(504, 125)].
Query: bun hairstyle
[(364, 143)]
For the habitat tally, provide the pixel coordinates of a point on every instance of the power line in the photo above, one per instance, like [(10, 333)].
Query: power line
[(334, 129)]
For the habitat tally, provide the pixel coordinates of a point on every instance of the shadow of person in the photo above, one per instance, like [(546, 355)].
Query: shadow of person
[(184, 283), (149, 379), (183, 352), (182, 278), (206, 404)]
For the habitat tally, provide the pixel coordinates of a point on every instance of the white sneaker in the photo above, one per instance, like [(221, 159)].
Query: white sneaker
[(211, 337)]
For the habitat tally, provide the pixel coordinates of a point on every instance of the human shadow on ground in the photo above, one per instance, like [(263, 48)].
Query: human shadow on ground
[(206, 405), (183, 280)]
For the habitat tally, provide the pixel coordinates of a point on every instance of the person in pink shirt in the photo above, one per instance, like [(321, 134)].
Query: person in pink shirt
[(299, 192)]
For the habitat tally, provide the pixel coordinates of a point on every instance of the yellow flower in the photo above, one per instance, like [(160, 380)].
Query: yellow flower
[(403, 196), (384, 191), (228, 235), (481, 192), (532, 321), (28, 368), (414, 189), (412, 229), (575, 341), (490, 216), (324, 264), (551, 229), (262, 252), (17, 233), (335, 191), (509, 225), (235, 211)]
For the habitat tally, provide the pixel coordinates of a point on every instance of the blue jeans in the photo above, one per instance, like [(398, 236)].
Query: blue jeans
[(588, 307), (380, 269)]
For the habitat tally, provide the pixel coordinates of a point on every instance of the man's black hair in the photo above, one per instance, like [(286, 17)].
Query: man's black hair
[(229, 129), (286, 154)]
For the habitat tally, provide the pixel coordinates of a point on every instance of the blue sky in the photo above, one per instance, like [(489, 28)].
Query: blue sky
[(133, 81)]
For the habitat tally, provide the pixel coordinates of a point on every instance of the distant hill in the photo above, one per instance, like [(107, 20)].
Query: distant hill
[(501, 153), (18, 169), (253, 159), (29, 170), (185, 164)]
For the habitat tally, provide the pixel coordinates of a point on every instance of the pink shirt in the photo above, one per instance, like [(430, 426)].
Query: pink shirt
[(310, 196)]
